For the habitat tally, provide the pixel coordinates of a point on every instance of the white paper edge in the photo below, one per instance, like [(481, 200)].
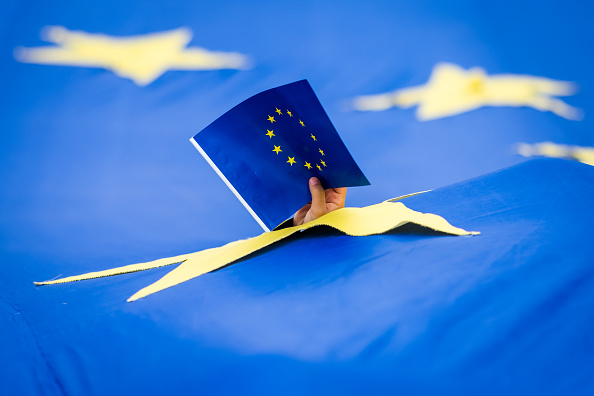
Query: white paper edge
[(216, 169)]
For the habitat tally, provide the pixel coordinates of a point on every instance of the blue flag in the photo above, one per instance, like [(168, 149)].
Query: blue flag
[(266, 148)]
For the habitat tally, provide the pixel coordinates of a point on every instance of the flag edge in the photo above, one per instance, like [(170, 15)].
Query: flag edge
[(229, 185)]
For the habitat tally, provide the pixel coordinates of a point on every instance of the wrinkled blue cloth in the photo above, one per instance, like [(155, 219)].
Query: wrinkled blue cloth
[(509, 312)]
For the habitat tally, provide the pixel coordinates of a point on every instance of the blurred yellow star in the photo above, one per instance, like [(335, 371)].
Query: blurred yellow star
[(583, 154), (314, 138), (278, 111), (141, 58), (319, 167), (321, 152), (271, 119), (277, 149), (307, 165), (301, 122), (323, 163), (291, 160), (453, 90), (270, 134), (289, 113)]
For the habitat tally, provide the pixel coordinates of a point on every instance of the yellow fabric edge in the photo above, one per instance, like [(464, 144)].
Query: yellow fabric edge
[(374, 219), (405, 196), (370, 220), (206, 261), (118, 271)]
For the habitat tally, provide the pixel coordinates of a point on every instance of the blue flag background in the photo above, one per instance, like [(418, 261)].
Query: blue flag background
[(96, 171), (88, 155)]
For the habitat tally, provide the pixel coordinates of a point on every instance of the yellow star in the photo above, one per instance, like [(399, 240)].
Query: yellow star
[(323, 163), (270, 134), (583, 154), (370, 220), (453, 90), (289, 113), (271, 119), (278, 111), (301, 122), (291, 160), (319, 167), (277, 149), (141, 58), (314, 138), (321, 152), (307, 165)]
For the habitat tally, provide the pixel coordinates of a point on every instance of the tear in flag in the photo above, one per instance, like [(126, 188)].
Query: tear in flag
[(267, 148)]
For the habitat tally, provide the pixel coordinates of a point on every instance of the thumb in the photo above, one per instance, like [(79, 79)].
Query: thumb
[(318, 198)]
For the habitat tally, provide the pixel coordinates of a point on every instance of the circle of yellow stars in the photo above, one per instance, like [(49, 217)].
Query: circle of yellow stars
[(277, 149)]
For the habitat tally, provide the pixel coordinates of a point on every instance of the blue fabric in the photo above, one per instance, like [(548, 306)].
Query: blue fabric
[(290, 120), (90, 160), (508, 312), (97, 172)]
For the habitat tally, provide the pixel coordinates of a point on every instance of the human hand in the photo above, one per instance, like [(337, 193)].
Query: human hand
[(322, 202)]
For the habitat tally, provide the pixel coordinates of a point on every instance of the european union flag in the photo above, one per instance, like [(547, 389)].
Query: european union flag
[(266, 148)]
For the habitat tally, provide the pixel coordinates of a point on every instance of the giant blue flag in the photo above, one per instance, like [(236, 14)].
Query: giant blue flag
[(99, 100), (266, 148), (509, 312)]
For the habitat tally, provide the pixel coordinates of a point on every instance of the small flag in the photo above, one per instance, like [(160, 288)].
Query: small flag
[(266, 148)]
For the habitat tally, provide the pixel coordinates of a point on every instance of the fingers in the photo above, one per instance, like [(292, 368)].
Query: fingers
[(339, 196), (299, 217), (318, 199), (322, 202)]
